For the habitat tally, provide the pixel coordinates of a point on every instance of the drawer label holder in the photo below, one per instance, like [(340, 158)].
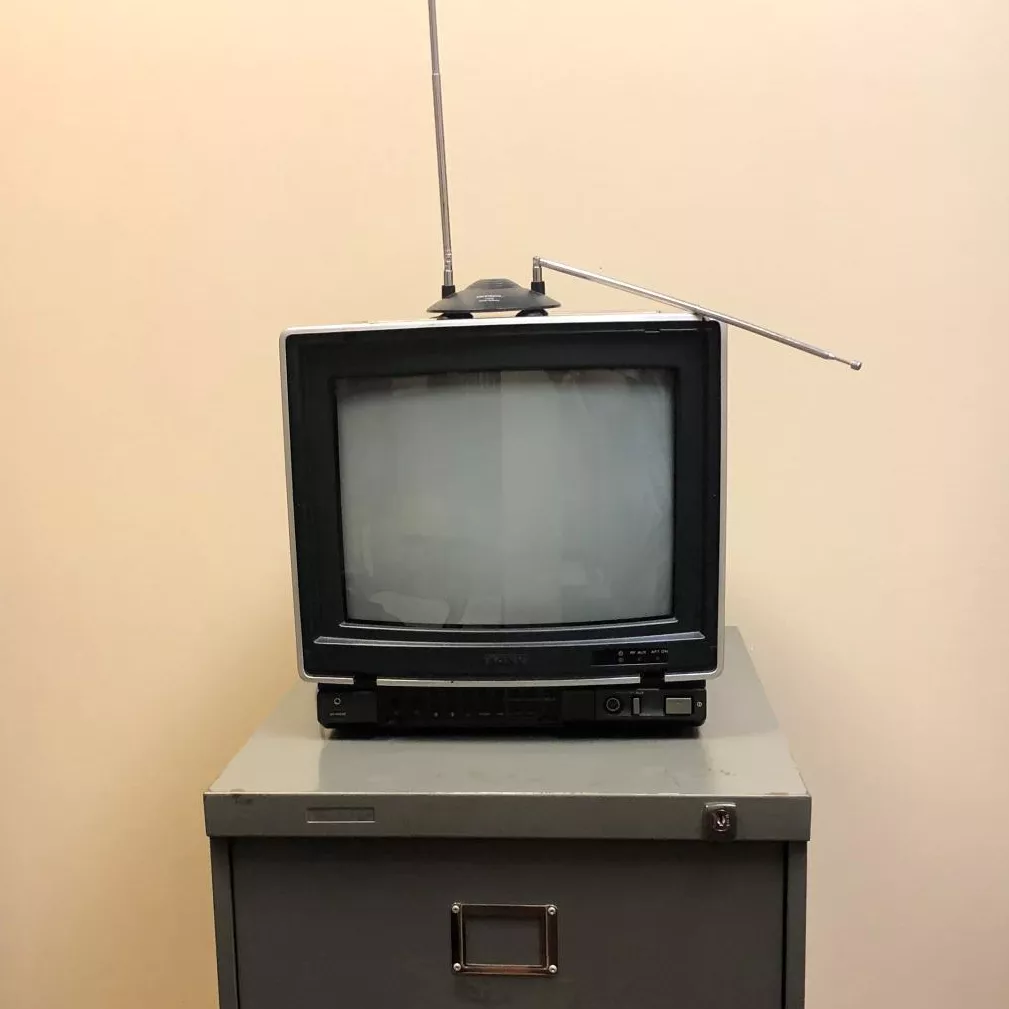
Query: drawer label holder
[(541, 919)]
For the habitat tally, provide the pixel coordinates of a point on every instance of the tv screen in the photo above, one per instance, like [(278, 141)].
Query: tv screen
[(507, 498)]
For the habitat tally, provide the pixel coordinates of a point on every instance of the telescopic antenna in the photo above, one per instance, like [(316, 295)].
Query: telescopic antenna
[(448, 278), (494, 294), (540, 264)]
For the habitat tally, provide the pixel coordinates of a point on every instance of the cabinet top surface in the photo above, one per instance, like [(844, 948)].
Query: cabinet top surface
[(290, 766)]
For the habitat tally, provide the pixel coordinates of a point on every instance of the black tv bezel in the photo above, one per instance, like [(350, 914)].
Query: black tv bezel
[(333, 646)]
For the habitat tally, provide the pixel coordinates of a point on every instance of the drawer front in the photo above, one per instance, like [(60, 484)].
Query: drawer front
[(368, 924)]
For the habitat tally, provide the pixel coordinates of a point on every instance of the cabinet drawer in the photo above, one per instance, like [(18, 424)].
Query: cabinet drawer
[(368, 924)]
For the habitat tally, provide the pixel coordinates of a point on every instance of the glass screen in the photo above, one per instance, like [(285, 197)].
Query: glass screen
[(507, 498)]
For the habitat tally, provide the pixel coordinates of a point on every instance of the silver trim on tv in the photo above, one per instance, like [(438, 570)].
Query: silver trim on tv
[(574, 681), (505, 644)]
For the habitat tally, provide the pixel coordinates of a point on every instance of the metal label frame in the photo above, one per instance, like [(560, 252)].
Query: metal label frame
[(545, 914)]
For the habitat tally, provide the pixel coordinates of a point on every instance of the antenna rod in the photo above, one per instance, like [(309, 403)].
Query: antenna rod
[(448, 279), (539, 264)]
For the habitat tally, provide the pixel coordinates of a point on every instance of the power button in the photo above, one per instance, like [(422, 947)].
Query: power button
[(679, 706)]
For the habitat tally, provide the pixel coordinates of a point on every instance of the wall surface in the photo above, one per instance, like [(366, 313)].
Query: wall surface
[(180, 181)]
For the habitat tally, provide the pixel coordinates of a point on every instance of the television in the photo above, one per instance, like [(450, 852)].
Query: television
[(508, 521)]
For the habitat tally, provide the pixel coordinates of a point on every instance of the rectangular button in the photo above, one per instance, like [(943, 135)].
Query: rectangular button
[(679, 705)]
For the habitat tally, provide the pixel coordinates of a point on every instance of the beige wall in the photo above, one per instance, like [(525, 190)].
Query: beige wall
[(179, 181)]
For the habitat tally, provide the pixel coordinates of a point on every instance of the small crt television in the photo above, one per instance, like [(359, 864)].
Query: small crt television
[(508, 522)]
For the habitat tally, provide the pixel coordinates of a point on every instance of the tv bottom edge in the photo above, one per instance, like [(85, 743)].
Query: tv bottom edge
[(448, 709)]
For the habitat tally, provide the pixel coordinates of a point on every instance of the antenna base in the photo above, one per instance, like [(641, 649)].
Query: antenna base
[(495, 294)]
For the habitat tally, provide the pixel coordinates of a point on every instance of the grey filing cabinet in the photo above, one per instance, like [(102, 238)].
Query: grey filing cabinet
[(393, 873)]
